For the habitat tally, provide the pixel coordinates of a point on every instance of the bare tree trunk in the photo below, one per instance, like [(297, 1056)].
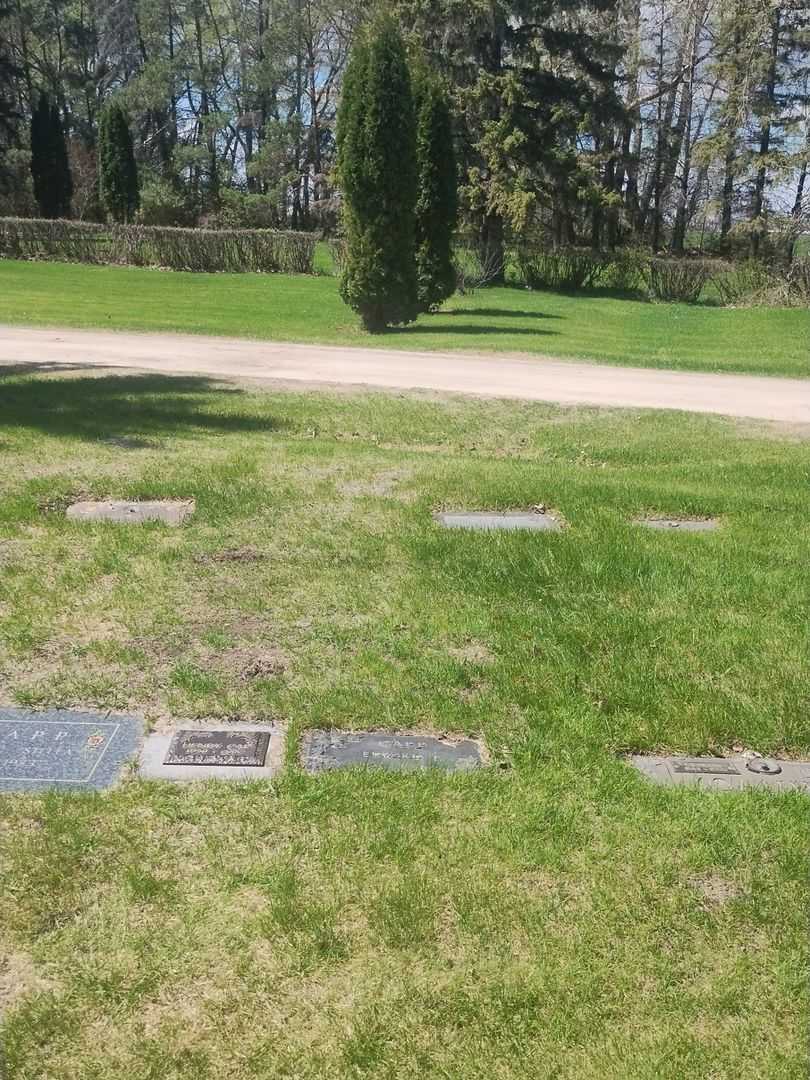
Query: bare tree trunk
[(659, 143), (631, 140), (730, 135), (687, 104), (800, 186), (491, 232)]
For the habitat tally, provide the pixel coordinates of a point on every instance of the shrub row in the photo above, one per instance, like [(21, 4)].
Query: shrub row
[(208, 250), (751, 283), (677, 279), (669, 279), (571, 270)]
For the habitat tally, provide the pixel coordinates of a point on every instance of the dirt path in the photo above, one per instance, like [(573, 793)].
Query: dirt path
[(526, 378)]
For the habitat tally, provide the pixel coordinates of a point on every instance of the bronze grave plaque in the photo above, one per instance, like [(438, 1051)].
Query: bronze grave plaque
[(243, 748)]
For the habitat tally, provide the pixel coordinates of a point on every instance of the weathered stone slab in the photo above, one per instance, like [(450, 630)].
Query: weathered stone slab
[(509, 520), (63, 749), (213, 752), (680, 524), (725, 774), (131, 513), (324, 750)]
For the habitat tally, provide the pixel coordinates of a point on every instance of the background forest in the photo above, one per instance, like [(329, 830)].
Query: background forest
[(676, 124)]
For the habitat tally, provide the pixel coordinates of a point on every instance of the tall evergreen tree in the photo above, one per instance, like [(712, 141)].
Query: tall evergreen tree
[(437, 200), (377, 166), (117, 171), (530, 80), (50, 169), (64, 180), (42, 171), (10, 115)]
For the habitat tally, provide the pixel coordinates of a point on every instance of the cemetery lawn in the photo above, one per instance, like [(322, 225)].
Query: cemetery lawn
[(554, 917), (599, 327)]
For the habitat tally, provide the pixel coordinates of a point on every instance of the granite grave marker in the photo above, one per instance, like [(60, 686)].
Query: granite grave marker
[(725, 774), (324, 750), (63, 749)]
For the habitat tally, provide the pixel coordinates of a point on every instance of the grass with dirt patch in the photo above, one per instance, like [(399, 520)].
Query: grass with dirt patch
[(559, 918), (308, 309)]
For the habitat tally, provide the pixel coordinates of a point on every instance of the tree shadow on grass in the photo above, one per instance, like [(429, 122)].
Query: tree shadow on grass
[(472, 329), (498, 313), (123, 407)]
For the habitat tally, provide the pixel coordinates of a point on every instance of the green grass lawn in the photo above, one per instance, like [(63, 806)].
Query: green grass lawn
[(558, 918), (596, 327)]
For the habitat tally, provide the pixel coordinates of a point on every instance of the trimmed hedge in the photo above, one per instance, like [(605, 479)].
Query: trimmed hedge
[(199, 250)]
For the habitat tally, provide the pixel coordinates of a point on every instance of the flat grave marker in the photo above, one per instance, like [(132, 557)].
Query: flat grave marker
[(190, 747), (131, 512), (510, 520), (63, 749), (725, 774), (213, 752), (679, 524), (323, 750)]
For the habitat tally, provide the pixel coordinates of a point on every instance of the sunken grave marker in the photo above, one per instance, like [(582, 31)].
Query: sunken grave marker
[(509, 520), (323, 750), (679, 524), (129, 512)]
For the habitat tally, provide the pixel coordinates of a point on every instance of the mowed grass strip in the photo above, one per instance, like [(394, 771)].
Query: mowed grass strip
[(276, 307), (561, 917)]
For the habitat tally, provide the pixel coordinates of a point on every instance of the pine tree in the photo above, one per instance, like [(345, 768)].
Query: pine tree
[(530, 79), (377, 168), (118, 173), (437, 200), (50, 169)]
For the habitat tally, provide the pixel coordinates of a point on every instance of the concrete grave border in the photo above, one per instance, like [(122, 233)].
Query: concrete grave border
[(156, 746)]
